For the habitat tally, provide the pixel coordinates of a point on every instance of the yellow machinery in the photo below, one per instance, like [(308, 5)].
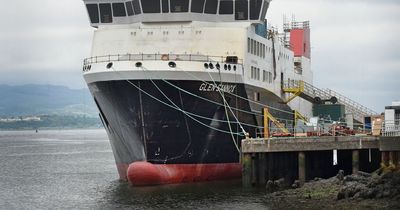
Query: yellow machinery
[(298, 116), (295, 90), (268, 117)]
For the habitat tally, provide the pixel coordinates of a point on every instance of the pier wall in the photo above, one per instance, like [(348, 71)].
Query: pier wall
[(305, 159)]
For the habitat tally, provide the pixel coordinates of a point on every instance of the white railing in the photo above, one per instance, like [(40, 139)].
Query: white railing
[(391, 128), (162, 57)]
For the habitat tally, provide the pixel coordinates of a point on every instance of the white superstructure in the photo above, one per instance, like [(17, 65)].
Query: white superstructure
[(126, 36)]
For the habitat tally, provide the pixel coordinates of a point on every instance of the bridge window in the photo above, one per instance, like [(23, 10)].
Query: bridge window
[(179, 5), (151, 6), (226, 7), (93, 10), (129, 8), (211, 7), (255, 7), (197, 6), (241, 10), (264, 10), (119, 10), (105, 13), (136, 7), (165, 6)]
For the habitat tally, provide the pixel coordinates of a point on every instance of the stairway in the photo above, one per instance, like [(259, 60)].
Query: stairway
[(317, 96)]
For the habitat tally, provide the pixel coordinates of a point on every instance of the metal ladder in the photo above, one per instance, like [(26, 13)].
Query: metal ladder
[(313, 94)]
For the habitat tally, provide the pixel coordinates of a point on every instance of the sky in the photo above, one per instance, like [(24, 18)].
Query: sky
[(355, 44)]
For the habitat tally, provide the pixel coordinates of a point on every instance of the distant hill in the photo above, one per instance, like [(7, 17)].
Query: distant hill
[(45, 100)]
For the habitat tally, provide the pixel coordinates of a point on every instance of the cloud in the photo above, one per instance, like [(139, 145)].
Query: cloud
[(355, 46), (43, 37)]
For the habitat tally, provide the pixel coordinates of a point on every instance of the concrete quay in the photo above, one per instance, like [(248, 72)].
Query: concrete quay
[(305, 158)]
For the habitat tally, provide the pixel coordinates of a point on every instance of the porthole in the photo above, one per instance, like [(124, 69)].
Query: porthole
[(172, 64), (138, 64), (109, 65)]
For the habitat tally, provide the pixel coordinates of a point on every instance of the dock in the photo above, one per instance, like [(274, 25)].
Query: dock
[(306, 158)]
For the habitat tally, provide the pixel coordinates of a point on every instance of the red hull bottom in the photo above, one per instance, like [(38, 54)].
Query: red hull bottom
[(145, 173)]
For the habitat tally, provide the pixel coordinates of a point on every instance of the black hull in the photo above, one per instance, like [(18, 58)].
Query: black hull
[(145, 121)]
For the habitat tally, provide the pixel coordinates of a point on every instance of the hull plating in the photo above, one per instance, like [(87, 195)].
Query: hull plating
[(177, 126)]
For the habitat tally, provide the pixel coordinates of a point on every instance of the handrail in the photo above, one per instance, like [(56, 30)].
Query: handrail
[(357, 109), (158, 57)]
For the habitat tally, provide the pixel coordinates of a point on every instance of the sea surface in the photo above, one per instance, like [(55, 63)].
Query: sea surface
[(75, 169)]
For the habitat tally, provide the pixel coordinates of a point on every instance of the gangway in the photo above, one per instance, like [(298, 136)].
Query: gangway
[(317, 96)]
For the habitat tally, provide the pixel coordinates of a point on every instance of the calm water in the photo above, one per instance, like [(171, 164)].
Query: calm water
[(75, 169)]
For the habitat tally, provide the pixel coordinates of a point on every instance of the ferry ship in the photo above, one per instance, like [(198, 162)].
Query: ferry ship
[(179, 83)]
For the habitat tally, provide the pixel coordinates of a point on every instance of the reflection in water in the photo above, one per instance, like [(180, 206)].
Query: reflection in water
[(215, 195), (57, 174)]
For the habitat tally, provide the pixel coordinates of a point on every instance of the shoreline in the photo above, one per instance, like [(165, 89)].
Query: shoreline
[(362, 191)]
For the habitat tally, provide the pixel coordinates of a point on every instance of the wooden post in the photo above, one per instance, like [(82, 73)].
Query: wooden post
[(385, 159), (262, 163), (302, 167), (398, 159), (392, 159), (266, 123), (356, 161), (254, 164), (246, 169)]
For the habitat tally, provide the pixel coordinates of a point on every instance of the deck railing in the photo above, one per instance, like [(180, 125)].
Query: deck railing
[(161, 57), (391, 128)]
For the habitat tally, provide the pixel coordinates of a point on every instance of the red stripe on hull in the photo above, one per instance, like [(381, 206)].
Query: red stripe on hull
[(145, 173)]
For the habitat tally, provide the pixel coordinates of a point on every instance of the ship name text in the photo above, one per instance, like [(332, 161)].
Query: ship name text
[(215, 87)]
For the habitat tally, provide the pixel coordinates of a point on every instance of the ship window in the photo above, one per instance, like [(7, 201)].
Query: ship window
[(270, 77), (179, 5), (264, 76), (258, 49), (263, 51), (241, 10), (197, 6), (248, 45), (93, 10), (105, 13), (255, 7), (211, 7), (119, 10), (151, 6), (165, 6), (256, 96), (264, 11), (254, 47), (129, 8), (136, 7), (231, 59), (226, 7)]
